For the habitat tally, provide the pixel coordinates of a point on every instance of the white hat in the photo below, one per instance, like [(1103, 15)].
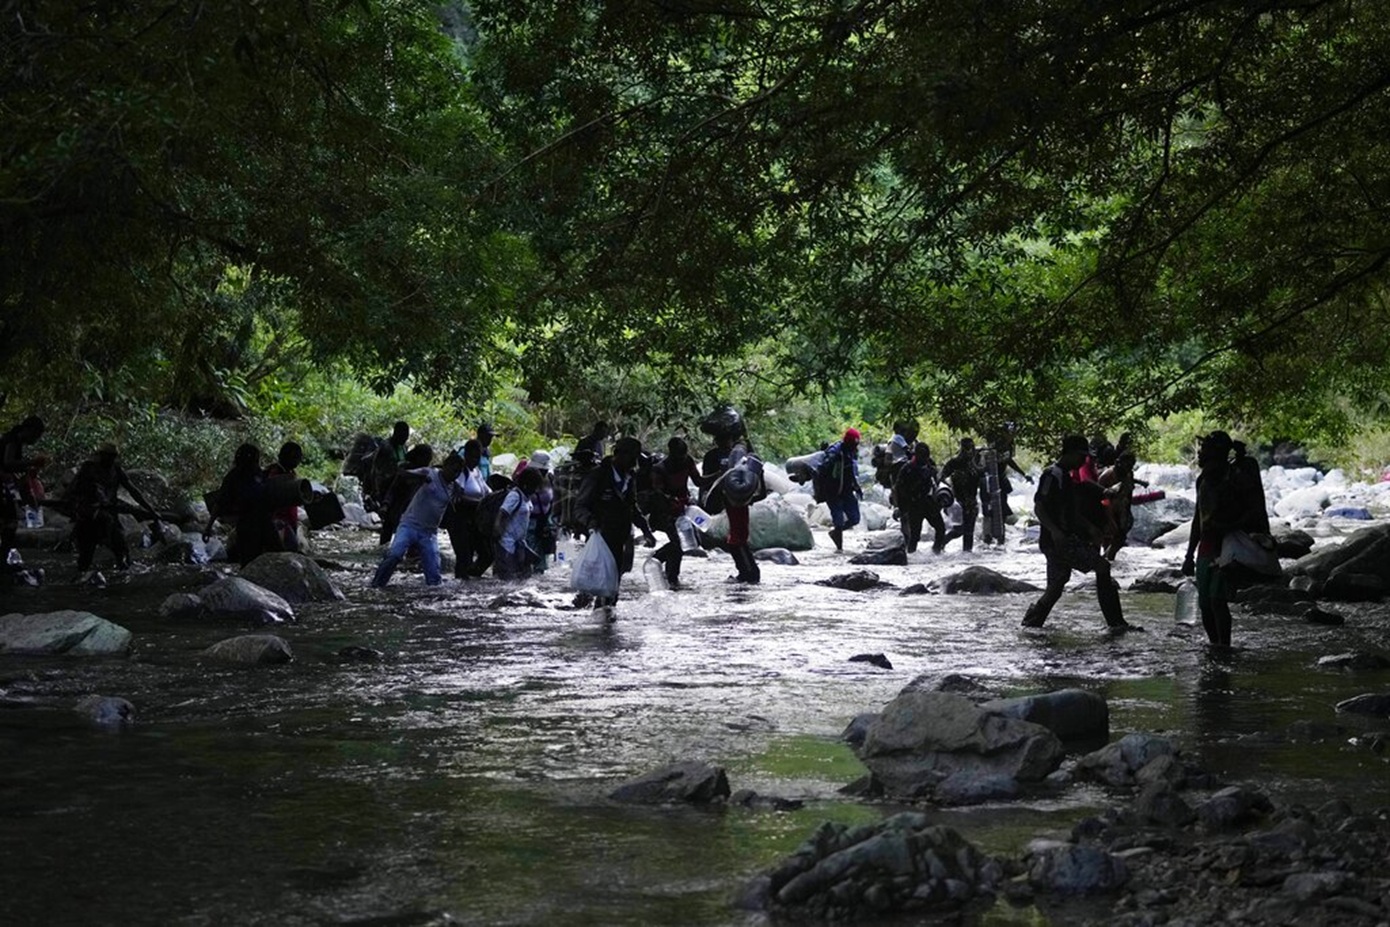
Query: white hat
[(540, 460)]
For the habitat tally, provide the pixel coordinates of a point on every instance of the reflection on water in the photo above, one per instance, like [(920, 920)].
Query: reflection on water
[(465, 773)]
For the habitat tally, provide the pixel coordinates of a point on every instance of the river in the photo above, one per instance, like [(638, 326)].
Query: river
[(463, 777)]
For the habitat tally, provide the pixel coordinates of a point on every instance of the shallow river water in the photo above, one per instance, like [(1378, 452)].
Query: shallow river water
[(462, 779)]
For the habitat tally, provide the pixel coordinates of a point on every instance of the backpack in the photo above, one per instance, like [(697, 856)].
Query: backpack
[(488, 508)]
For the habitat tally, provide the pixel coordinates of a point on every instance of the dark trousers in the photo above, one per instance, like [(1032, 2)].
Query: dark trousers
[(473, 552), (102, 528), (912, 517), (1069, 554)]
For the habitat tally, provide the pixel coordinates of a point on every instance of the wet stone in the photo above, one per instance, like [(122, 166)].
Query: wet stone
[(873, 659), (1356, 660), (1377, 705), (858, 581), (251, 650), (978, 580), (692, 782)]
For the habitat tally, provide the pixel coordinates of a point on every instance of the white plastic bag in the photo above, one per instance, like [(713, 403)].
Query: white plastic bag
[(1252, 551), (595, 571)]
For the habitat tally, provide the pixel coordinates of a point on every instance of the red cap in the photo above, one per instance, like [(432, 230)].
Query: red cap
[(852, 434)]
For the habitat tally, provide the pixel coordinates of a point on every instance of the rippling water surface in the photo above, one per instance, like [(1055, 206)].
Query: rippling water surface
[(464, 776)]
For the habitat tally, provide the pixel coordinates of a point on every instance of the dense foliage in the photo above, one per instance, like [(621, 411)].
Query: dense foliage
[(1066, 214), (1056, 212)]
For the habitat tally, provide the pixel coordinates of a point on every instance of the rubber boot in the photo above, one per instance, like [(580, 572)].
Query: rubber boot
[(1109, 595), (1034, 617), (837, 537), (748, 570)]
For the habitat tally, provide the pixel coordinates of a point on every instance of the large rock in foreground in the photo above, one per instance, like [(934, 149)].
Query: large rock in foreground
[(70, 633), (921, 738), (1071, 714), (1367, 552), (294, 577), (902, 865)]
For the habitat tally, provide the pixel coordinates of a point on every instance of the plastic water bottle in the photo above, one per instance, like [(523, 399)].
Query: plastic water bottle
[(698, 517), (1185, 609), (656, 576), (564, 549), (685, 530)]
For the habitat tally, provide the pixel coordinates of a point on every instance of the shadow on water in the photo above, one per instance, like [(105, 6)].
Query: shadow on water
[(466, 773)]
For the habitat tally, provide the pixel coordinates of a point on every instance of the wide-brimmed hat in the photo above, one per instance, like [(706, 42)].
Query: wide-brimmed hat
[(540, 460), (107, 449)]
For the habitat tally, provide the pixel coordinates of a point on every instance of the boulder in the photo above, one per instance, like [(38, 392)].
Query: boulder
[(155, 487), (1164, 579), (69, 633), (1291, 543), (857, 581), (1077, 870), (1303, 503), (1367, 549), (1357, 660), (883, 556), (1159, 804), (1155, 519), (773, 522), (778, 555), (923, 737), (187, 548), (1377, 705), (106, 711), (978, 580), (358, 517), (1071, 714), (1233, 807), (873, 659), (181, 605), (858, 728), (901, 865), (1120, 763), (692, 782), (251, 650), (239, 599), (294, 577), (874, 517), (955, 683), (1347, 586), (966, 788)]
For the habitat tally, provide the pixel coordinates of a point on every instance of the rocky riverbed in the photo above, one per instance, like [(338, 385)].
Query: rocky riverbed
[(413, 755)]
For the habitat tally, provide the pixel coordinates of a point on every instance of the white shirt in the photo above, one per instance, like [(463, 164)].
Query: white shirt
[(516, 518)]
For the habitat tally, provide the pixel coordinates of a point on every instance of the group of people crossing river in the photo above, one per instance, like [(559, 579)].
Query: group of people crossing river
[(511, 524)]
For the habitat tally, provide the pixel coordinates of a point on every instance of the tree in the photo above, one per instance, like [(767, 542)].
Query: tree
[(1072, 213), (328, 150)]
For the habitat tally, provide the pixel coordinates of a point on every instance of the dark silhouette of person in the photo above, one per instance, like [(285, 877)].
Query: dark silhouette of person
[(16, 475), (915, 492), (96, 508), (965, 475), (607, 504), (1069, 512), (671, 480), (239, 499), (592, 448)]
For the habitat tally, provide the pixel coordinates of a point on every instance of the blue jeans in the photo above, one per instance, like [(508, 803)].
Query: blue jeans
[(844, 511), (400, 543)]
